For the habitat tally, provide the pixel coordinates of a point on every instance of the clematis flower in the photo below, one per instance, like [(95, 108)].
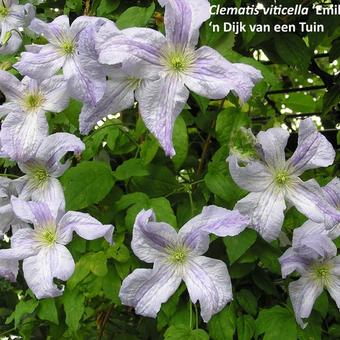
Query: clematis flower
[(171, 65), (273, 181), (9, 188), (26, 104), (42, 248), (13, 16), (313, 256), (177, 257), (40, 182), (85, 75)]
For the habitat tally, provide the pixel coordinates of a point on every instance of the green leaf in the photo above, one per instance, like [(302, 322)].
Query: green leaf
[(245, 327), (247, 301), (228, 123), (131, 168), (135, 17), (149, 149), (22, 309), (107, 7), (86, 184), (119, 252), (98, 263), (276, 323), (300, 102), (334, 52), (222, 325), (321, 304), (237, 245), (74, 5), (331, 98), (181, 142), (163, 210), (130, 199), (48, 311), (81, 271), (74, 308), (182, 332), (293, 50)]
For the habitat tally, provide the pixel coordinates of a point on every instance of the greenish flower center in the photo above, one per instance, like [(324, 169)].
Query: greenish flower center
[(49, 236), (322, 272), (178, 255), (33, 101), (176, 59), (178, 63), (3, 11), (282, 177), (40, 176), (68, 47)]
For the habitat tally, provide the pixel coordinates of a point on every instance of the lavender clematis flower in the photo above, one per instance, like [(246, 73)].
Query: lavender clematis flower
[(8, 188), (43, 248), (272, 180), (43, 169), (177, 257), (170, 66), (313, 256), (85, 75), (13, 16), (25, 107)]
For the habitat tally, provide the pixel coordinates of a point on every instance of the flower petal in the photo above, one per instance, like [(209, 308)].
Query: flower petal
[(265, 210), (84, 225), (9, 269), (303, 294), (54, 148), (31, 128), (332, 192), (307, 197), (313, 149), (254, 176), (333, 285), (147, 289), (39, 270), (42, 65), (55, 91), (209, 283), (212, 220), (183, 20), (272, 145), (312, 241), (119, 95), (291, 261), (150, 238), (7, 108), (160, 102), (10, 86)]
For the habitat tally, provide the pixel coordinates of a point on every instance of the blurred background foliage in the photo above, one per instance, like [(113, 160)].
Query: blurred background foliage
[(123, 170)]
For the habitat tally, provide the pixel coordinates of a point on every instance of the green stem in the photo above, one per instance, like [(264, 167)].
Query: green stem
[(196, 314), (190, 313), (9, 175), (10, 330), (191, 203)]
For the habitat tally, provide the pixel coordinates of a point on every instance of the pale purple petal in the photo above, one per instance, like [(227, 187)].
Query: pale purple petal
[(55, 92), (333, 285), (119, 95), (54, 148), (12, 45), (272, 145), (332, 192), (23, 245), (140, 47), (303, 294), (37, 213), (312, 241), (31, 127), (84, 21), (7, 108), (207, 76), (50, 262), (209, 283), (10, 86), (160, 102), (291, 261), (9, 269), (147, 289), (265, 210), (150, 238), (307, 197), (183, 20), (42, 65), (84, 225), (313, 150), (254, 176), (213, 220)]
